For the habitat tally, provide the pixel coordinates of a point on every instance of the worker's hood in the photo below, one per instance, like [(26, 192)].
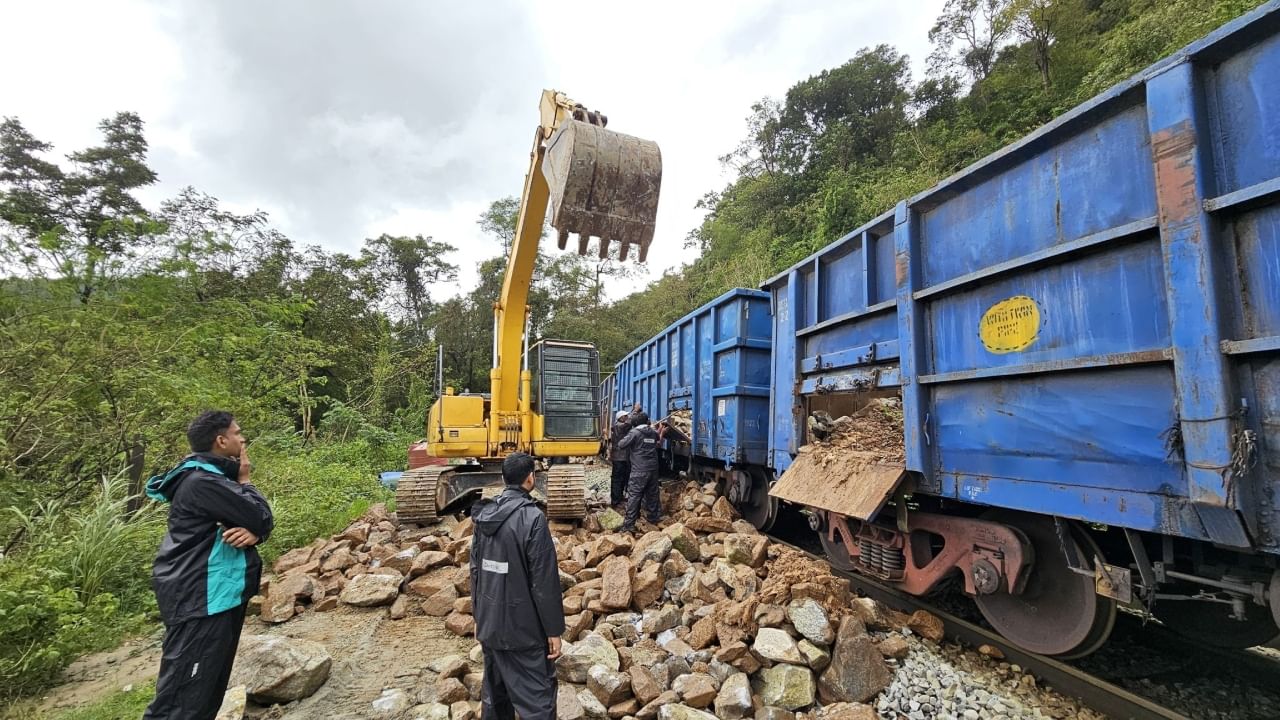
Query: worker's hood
[(489, 515), (162, 487)]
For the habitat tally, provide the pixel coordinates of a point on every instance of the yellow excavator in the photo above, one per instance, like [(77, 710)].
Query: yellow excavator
[(543, 399)]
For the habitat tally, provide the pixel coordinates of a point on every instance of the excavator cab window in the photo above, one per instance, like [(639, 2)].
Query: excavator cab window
[(566, 392)]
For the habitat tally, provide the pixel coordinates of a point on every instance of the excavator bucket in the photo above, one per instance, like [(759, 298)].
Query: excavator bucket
[(603, 184)]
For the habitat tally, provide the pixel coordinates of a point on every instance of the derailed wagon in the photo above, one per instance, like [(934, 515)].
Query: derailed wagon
[(1080, 337)]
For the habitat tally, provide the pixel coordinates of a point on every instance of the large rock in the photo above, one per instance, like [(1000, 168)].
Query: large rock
[(391, 703), (702, 634), (617, 574), (849, 711), (895, 646), (696, 689), (591, 706), (656, 620), (371, 590), (609, 686), (650, 710), (460, 625), (575, 625), (450, 690), (441, 603), (684, 541), (810, 620), (577, 658), (857, 672), (927, 626), (610, 520), (296, 557), (427, 560), (733, 702), (233, 702), (746, 549), (433, 581), (340, 559), (607, 546), (724, 510), (683, 712), (567, 705), (643, 684), (708, 524), (646, 588), (786, 686), (814, 656), (402, 561), (652, 547), (874, 615), (280, 669), (776, 645), (279, 604)]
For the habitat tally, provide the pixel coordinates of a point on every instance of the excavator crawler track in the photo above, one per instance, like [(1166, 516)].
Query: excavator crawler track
[(567, 492), (416, 494)]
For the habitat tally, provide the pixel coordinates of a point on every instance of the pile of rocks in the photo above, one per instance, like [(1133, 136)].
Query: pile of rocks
[(375, 562), (700, 615)]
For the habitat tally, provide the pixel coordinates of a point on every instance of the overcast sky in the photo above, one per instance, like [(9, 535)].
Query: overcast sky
[(344, 120)]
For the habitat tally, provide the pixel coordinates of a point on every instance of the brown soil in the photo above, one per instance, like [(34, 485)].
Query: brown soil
[(795, 576), (875, 430), (370, 652)]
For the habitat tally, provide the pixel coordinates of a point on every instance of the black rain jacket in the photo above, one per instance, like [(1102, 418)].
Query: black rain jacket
[(616, 433), (641, 445), (515, 580), (196, 573)]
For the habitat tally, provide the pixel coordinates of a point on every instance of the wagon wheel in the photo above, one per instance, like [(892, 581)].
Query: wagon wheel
[(1058, 612), (837, 554), (759, 508)]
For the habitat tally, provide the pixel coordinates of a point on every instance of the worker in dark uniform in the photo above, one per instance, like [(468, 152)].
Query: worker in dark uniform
[(207, 567), (641, 446), (621, 467), (515, 588)]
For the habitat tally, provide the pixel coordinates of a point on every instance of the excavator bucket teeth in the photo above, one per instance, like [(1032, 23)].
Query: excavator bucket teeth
[(603, 184)]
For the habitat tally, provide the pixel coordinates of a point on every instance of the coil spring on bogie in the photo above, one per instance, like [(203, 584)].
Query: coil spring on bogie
[(880, 560)]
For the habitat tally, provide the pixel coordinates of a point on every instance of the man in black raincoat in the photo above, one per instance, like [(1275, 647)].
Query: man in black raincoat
[(641, 446), (207, 567), (515, 592), (619, 459)]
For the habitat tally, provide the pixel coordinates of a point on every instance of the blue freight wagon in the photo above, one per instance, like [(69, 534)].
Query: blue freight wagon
[(1083, 330), (707, 374)]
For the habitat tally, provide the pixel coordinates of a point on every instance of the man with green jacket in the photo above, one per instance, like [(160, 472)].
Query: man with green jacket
[(207, 567)]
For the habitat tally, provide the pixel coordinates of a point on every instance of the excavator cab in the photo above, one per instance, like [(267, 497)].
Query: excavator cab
[(596, 183)]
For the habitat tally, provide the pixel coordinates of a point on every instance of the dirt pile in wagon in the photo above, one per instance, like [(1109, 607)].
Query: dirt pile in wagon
[(874, 431)]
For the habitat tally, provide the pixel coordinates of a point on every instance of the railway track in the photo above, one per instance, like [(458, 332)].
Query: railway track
[(1095, 692)]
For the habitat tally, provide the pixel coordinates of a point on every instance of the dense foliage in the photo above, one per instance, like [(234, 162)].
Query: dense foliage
[(118, 321)]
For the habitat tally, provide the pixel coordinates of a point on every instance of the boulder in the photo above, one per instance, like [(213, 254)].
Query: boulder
[(610, 687), (702, 634), (776, 645), (400, 609), (895, 646), (656, 620), (857, 672), (849, 711), (284, 594), (608, 546), (643, 684), (733, 702), (339, 559), (591, 706), (707, 524), (370, 590), (683, 712), (402, 561), (610, 520), (280, 669), (810, 620), (460, 625), (696, 689), (233, 702), (927, 626), (462, 710), (650, 710), (746, 549), (646, 588), (652, 547), (448, 666), (577, 658), (774, 713), (684, 541), (294, 558), (427, 560), (391, 703), (617, 576), (567, 705), (450, 690), (814, 656), (874, 615), (433, 582), (786, 686), (724, 510), (623, 709), (575, 625), (440, 603)]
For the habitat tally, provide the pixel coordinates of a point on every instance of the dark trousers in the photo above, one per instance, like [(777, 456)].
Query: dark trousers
[(195, 666), (618, 481), (518, 681), (643, 488)]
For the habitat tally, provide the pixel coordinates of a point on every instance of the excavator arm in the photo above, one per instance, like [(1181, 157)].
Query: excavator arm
[(597, 183)]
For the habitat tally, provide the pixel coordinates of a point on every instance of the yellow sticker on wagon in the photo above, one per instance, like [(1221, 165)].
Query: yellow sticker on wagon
[(1010, 325)]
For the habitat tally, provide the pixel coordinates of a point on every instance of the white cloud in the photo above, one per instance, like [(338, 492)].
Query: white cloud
[(344, 119)]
